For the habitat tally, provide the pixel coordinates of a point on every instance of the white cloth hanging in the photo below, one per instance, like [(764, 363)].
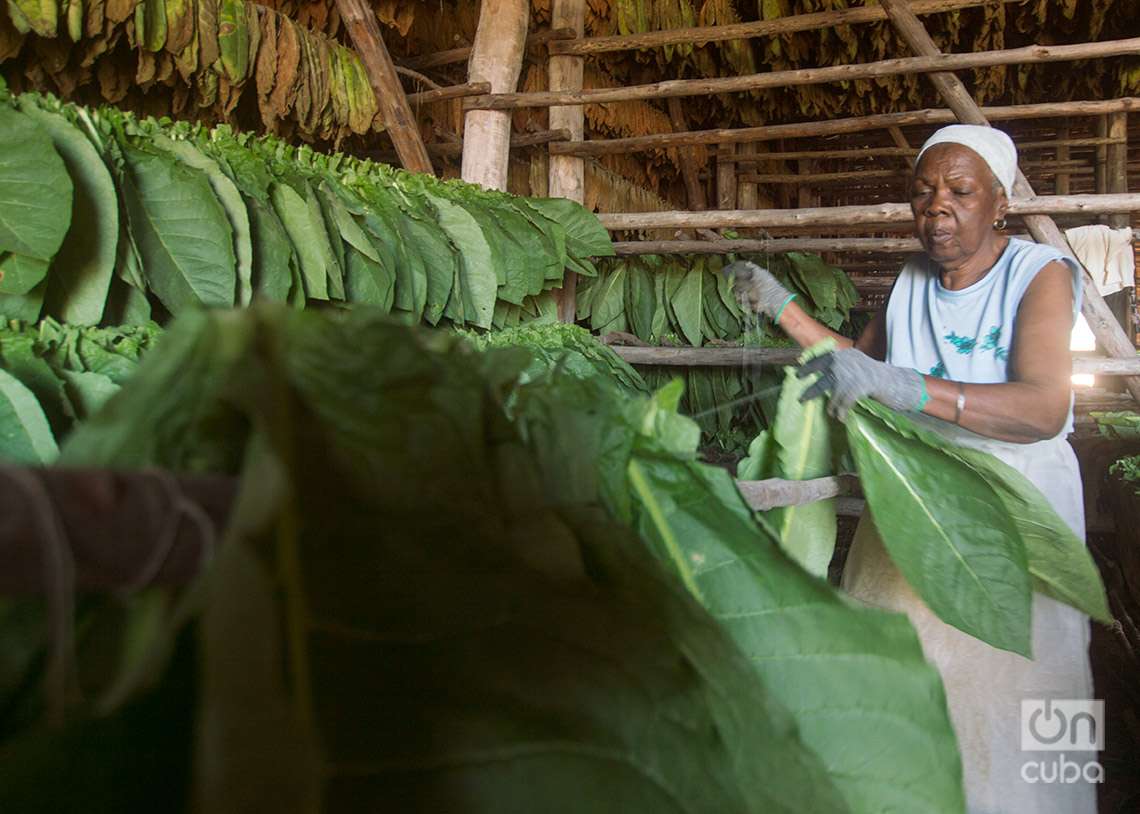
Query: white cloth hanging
[(1107, 254)]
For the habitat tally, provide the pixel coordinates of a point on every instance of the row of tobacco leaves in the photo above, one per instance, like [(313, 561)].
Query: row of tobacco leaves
[(467, 570)]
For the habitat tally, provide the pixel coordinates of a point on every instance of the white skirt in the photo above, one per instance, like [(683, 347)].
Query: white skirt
[(985, 686)]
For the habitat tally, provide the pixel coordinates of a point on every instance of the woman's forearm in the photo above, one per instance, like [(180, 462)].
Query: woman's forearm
[(1020, 412), (806, 331)]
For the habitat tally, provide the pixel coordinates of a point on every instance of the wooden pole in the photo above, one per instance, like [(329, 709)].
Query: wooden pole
[(892, 245), (855, 124), (863, 215), (806, 177), (452, 92), (694, 190), (496, 58), (1100, 319), (735, 357), (1032, 54), (568, 172), (900, 141), (1116, 162), (725, 178), (1061, 180), (764, 28), (364, 31)]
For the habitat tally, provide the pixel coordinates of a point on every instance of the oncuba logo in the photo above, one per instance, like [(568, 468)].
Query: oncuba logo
[(1062, 725)]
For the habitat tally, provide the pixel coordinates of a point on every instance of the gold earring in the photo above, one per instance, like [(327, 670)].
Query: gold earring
[(999, 225)]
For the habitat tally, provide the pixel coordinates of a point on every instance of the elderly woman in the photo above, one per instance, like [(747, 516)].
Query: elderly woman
[(975, 341)]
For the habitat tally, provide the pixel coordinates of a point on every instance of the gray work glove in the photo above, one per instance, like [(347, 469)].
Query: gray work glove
[(850, 375), (756, 289)]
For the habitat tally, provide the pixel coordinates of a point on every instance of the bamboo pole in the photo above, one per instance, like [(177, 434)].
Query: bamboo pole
[(1116, 162), (496, 59), (694, 191), (758, 357), (364, 31), (855, 124), (568, 172), (450, 92), (892, 245), (1100, 319), (763, 28), (1031, 54), (454, 56), (863, 215)]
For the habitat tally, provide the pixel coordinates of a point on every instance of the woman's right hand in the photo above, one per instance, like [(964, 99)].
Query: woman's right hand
[(756, 289)]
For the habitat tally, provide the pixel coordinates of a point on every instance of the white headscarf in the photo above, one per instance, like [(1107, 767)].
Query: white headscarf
[(994, 147)]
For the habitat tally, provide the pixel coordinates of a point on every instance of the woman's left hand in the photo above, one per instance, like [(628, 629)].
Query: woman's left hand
[(850, 375)]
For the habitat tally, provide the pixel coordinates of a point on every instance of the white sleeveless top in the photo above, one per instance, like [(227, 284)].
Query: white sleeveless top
[(965, 336)]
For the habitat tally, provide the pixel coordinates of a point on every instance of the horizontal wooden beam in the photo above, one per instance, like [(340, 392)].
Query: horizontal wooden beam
[(456, 55), (454, 148), (811, 179), (903, 66), (764, 28), (855, 153), (775, 245), (762, 495), (758, 357), (855, 124), (451, 92), (872, 214)]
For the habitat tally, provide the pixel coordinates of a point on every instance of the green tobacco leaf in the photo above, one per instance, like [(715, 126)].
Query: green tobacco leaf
[(947, 532), (608, 300), (306, 235), (231, 201), (182, 233), (233, 39), (801, 434), (585, 235), (368, 283), (1059, 561), (23, 307), (25, 435), (273, 256), (441, 264), (88, 391), (687, 303), (478, 282), (20, 274), (81, 272), (641, 301), (329, 242), (35, 189), (150, 24), (854, 679), (815, 277), (760, 461)]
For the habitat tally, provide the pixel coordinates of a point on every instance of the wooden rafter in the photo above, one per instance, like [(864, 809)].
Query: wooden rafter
[(1031, 54), (395, 112), (831, 127)]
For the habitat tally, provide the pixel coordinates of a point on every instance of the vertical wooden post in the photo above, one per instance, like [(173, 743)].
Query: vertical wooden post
[(568, 172), (1116, 162), (397, 116), (1100, 177), (1100, 318), (1061, 179), (496, 57), (806, 197), (694, 191), (725, 177)]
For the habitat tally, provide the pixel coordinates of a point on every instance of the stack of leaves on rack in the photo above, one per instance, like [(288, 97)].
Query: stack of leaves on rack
[(118, 214), (684, 299), (537, 594), (202, 56), (53, 376), (1122, 425)]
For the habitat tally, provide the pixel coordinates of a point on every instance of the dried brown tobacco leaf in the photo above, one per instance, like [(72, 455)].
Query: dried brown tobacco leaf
[(181, 19), (284, 92), (207, 33)]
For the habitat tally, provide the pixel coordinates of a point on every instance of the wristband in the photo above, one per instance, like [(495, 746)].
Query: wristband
[(925, 396), (780, 313)]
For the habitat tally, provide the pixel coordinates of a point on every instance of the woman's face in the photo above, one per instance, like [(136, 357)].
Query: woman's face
[(955, 200)]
